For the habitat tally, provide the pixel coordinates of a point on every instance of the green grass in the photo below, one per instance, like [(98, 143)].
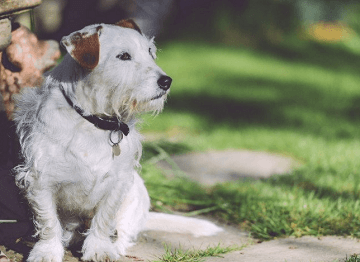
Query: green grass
[(353, 258), (301, 100), (179, 255)]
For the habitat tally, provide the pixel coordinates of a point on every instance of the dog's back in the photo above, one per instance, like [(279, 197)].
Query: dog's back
[(25, 117)]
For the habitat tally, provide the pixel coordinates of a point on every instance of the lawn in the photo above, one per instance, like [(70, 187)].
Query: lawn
[(301, 100)]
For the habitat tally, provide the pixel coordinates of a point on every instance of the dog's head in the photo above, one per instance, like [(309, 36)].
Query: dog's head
[(121, 74)]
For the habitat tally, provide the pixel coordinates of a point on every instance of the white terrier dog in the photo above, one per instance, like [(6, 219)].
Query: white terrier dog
[(81, 147)]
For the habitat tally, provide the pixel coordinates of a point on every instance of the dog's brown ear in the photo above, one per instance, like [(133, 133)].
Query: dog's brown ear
[(84, 46), (129, 23)]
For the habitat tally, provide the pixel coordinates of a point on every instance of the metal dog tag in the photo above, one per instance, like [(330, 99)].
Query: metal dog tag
[(116, 150), (115, 146)]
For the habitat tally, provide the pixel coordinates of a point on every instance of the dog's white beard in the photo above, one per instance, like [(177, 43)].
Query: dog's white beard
[(124, 98)]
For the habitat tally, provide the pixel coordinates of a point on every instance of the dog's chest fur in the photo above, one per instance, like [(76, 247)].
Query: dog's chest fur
[(75, 156)]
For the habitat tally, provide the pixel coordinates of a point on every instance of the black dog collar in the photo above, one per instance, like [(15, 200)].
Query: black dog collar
[(111, 123)]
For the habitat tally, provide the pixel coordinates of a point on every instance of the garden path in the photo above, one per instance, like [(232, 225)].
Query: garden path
[(220, 166), (213, 167)]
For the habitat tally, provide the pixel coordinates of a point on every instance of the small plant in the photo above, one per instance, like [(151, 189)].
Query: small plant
[(353, 258), (178, 255)]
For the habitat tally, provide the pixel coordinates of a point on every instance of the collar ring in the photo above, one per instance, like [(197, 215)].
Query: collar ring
[(120, 136)]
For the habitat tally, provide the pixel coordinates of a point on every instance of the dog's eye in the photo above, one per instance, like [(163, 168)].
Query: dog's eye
[(124, 56)]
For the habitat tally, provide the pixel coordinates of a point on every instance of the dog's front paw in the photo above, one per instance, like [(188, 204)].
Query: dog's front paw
[(47, 251), (122, 246), (99, 249)]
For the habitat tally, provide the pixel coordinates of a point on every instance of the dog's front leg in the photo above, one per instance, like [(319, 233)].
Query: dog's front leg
[(98, 245), (49, 247)]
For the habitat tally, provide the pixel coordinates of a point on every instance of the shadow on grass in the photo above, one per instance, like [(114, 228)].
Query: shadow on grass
[(297, 106), (300, 180), (353, 111), (223, 110), (330, 56)]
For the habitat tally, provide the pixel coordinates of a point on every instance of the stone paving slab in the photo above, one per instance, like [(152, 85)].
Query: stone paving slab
[(209, 168), (304, 249), (150, 245)]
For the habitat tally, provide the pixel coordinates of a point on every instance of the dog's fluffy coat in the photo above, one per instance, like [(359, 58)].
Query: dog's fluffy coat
[(70, 175)]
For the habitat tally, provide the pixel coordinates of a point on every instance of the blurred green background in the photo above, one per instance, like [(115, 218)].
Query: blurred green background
[(272, 75)]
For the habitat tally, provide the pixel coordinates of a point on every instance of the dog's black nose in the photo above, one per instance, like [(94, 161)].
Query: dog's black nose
[(164, 82)]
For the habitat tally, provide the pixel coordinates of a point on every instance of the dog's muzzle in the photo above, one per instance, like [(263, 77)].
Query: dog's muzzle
[(164, 82)]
